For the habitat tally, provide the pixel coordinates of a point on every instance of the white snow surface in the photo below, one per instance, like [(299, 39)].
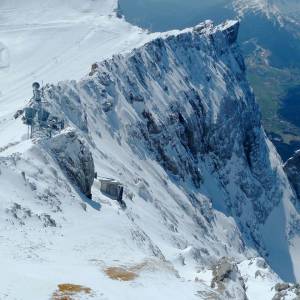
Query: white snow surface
[(174, 228), (55, 40)]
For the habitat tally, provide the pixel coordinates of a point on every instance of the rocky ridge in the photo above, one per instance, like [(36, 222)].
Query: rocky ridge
[(176, 122), (183, 100)]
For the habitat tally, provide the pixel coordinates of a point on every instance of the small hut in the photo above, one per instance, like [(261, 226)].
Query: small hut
[(111, 188)]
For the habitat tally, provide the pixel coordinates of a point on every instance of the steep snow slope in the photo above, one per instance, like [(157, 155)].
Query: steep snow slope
[(176, 122), (56, 40), (206, 96)]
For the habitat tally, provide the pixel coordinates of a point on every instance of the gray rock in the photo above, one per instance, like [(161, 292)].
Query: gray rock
[(74, 158), (281, 287), (286, 291), (228, 280), (260, 263), (258, 274), (222, 270), (207, 122), (279, 296), (231, 29)]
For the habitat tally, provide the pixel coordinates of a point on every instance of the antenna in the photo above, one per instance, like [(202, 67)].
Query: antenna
[(43, 89), (39, 120)]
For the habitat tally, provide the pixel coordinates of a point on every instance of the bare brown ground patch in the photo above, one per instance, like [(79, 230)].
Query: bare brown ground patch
[(119, 273), (68, 291), (129, 273)]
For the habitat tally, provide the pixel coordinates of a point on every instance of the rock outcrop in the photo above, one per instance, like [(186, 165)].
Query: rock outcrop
[(74, 158), (285, 291), (228, 281), (181, 104)]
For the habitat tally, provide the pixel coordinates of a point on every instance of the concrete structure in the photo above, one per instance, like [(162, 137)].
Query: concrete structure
[(111, 188)]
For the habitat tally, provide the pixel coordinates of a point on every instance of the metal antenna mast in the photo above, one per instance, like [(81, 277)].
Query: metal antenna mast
[(39, 120)]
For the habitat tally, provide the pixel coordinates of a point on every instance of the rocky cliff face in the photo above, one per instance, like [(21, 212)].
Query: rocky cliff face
[(183, 101), (74, 158), (228, 280)]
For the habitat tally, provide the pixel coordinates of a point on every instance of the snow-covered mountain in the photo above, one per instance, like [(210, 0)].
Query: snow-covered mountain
[(269, 39), (282, 10), (209, 213), (56, 40)]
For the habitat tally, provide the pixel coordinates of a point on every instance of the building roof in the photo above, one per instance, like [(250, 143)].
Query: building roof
[(109, 180)]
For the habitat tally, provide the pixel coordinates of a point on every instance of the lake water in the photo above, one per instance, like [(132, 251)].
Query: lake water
[(163, 15)]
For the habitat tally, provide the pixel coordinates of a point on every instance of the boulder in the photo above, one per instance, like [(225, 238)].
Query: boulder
[(75, 159), (281, 287), (261, 263), (228, 281)]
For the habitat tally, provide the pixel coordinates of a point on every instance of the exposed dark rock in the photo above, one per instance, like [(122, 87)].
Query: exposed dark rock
[(281, 287), (287, 291), (228, 281), (261, 263), (75, 159), (231, 31)]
